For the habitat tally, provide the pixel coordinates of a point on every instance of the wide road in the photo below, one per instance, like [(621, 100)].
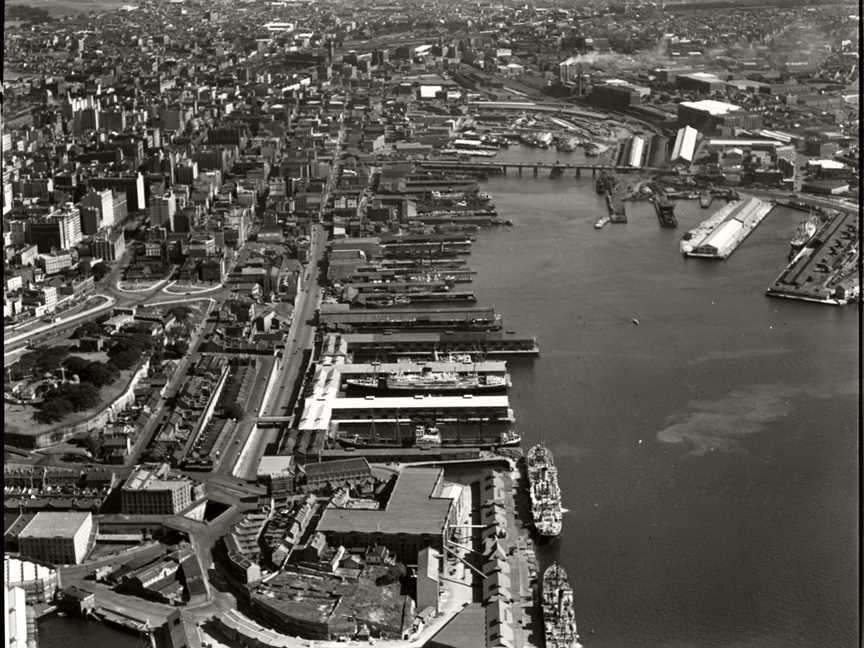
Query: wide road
[(18, 341), (301, 335), (289, 368)]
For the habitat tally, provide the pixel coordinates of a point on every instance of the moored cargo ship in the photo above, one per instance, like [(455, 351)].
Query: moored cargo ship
[(544, 491), (431, 381), (559, 619), (803, 233), (438, 434)]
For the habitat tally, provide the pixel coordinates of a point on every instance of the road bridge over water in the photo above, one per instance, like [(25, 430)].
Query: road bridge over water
[(556, 169)]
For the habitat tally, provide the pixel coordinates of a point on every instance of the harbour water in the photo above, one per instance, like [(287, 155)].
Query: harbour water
[(708, 456), (75, 632)]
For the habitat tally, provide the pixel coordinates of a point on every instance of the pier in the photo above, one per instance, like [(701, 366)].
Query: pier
[(720, 235), (826, 269), (378, 347)]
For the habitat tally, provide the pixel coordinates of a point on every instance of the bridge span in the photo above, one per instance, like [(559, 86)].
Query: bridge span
[(555, 168)]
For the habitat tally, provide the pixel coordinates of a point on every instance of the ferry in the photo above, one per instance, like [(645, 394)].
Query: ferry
[(544, 491), (559, 620)]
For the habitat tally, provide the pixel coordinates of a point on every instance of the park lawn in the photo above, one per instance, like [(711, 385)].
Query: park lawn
[(19, 418)]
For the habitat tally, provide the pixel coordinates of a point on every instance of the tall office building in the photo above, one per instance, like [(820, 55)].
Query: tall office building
[(131, 185), (162, 209), (103, 201), (59, 229)]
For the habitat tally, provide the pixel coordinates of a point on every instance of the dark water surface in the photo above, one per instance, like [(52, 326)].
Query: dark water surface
[(734, 523), (708, 456), (75, 632)]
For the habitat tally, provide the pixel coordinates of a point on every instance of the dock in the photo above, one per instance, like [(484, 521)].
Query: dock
[(392, 346), (825, 270), (719, 236)]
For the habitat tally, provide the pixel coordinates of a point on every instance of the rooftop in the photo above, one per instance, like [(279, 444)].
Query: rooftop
[(47, 524), (152, 478), (711, 106), (414, 507)]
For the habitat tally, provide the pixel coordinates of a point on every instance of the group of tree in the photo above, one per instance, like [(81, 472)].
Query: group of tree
[(96, 373), (127, 349), (64, 399), (180, 312), (394, 573), (40, 361), (87, 329)]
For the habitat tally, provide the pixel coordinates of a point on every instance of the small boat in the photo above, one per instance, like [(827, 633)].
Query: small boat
[(601, 222), (635, 321)]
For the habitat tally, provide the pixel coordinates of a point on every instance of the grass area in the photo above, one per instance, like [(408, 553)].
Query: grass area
[(19, 418)]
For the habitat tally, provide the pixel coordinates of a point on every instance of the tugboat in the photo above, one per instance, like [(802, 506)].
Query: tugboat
[(558, 616), (544, 491), (600, 223)]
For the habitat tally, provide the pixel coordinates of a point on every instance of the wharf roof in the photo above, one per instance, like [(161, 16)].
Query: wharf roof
[(414, 507), (318, 470), (49, 524), (419, 402), (486, 366), (427, 336)]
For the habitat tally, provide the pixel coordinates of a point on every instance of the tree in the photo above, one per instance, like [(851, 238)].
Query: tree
[(100, 374), (125, 359), (234, 411), (52, 410), (179, 348), (180, 312), (81, 397), (42, 360), (87, 329), (394, 573), (100, 270)]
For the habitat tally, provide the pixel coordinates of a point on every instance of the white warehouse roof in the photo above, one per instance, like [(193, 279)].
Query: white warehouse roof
[(685, 144), (724, 234), (711, 106)]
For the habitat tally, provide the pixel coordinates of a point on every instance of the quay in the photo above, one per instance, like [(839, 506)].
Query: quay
[(719, 236), (826, 269), (340, 317), (391, 346)]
